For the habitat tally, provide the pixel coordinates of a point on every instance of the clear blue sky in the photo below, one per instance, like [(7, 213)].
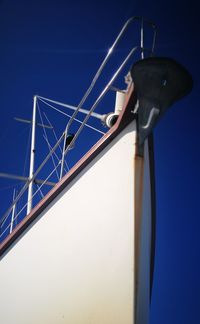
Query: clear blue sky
[(53, 48)]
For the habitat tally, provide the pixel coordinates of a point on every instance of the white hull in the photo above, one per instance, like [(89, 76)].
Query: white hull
[(78, 262)]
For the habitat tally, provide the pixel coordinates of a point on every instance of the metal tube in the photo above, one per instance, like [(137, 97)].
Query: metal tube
[(100, 97), (94, 80), (142, 39), (63, 156), (21, 178), (30, 122), (84, 111), (13, 212), (32, 157), (97, 75), (31, 179)]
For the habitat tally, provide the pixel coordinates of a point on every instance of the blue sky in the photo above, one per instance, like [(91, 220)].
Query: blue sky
[(53, 48)]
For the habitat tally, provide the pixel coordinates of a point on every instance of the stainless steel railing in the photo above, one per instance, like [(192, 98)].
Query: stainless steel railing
[(141, 48)]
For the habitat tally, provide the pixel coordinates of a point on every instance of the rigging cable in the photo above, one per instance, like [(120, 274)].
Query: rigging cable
[(69, 116), (39, 188), (40, 191), (50, 148), (27, 151), (56, 138), (45, 133)]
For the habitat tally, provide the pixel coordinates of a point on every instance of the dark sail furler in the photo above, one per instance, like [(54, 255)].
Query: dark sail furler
[(159, 82)]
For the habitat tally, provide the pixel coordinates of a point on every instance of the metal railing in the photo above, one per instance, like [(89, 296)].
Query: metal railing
[(103, 64), (141, 48)]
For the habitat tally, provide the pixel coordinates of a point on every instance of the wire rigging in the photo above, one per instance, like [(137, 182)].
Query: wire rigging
[(46, 137), (27, 151), (40, 191), (72, 118), (69, 116), (35, 193), (50, 148), (56, 137)]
